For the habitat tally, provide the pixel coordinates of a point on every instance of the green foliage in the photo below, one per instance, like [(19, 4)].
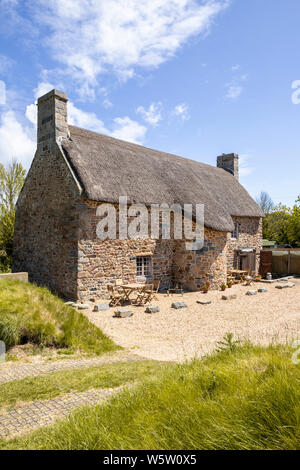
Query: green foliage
[(241, 400), (283, 225), (31, 314), (228, 343), (78, 380), (11, 181)]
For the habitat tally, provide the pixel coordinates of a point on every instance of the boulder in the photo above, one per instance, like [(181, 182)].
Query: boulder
[(229, 296), (262, 290), (287, 285), (152, 309), (101, 307), (251, 292), (122, 313), (70, 303), (178, 305), (204, 302), (81, 306)]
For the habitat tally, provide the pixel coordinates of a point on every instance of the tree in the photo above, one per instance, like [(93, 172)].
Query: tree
[(265, 202), (282, 224), (11, 181)]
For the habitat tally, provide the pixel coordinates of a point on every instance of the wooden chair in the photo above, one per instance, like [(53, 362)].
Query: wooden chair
[(174, 287), (118, 284), (141, 296), (114, 296), (249, 280)]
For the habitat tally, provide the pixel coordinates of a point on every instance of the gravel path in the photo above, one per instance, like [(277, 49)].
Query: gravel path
[(31, 416), (176, 335), (20, 370)]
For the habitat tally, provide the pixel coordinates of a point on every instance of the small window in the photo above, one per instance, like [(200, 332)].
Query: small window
[(235, 233), (143, 266)]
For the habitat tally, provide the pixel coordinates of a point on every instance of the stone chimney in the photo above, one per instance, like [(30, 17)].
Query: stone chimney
[(229, 162), (52, 120)]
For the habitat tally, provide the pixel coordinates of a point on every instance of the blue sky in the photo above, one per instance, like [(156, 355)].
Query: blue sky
[(195, 78)]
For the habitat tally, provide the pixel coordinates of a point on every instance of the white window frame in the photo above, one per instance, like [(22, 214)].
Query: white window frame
[(144, 266), (235, 232)]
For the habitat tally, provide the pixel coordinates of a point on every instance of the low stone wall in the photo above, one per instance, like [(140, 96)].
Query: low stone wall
[(20, 276)]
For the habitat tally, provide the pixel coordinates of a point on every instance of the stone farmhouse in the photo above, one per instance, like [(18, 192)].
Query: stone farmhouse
[(75, 170)]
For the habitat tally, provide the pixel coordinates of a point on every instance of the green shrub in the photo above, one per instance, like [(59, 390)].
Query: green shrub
[(31, 314)]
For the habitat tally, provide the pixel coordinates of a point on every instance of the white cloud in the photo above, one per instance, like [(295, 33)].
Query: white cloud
[(127, 129), (182, 111), (107, 103), (124, 128), (245, 168), (5, 63), (2, 93), (16, 141), (90, 37), (234, 91), (234, 68), (80, 118), (153, 115), (235, 87)]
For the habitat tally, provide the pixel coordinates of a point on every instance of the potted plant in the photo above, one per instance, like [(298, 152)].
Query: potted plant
[(230, 284), (205, 288), (223, 287), (258, 277)]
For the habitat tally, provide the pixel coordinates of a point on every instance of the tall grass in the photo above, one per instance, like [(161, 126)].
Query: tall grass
[(32, 314), (248, 398)]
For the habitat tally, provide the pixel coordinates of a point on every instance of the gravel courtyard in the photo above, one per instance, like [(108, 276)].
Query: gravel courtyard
[(176, 335)]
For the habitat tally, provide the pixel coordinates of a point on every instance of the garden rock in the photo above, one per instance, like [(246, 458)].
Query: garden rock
[(122, 313), (81, 306), (251, 292), (229, 297), (262, 290), (101, 307), (152, 309), (204, 302), (287, 285), (178, 305)]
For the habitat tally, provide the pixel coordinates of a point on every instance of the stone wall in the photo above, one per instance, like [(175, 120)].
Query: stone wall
[(196, 268), (46, 225), (102, 262), (250, 236)]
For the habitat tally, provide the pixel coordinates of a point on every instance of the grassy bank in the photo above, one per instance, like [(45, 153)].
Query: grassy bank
[(248, 398), (31, 314)]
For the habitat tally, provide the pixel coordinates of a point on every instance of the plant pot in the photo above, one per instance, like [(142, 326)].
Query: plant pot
[(229, 286), (205, 291), (223, 289)]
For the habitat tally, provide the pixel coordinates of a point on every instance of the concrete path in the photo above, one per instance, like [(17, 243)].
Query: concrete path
[(31, 416), (20, 370)]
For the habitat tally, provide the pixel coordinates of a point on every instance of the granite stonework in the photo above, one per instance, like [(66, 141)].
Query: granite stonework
[(56, 239), (250, 236)]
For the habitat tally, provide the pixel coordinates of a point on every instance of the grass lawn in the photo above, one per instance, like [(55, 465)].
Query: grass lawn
[(244, 398), (31, 314), (78, 380)]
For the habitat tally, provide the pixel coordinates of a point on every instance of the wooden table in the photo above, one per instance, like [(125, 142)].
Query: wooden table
[(130, 288), (239, 272)]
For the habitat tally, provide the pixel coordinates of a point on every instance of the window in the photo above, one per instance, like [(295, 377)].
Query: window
[(235, 233), (143, 266)]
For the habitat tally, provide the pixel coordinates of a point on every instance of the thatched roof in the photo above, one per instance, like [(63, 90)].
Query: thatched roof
[(108, 168)]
